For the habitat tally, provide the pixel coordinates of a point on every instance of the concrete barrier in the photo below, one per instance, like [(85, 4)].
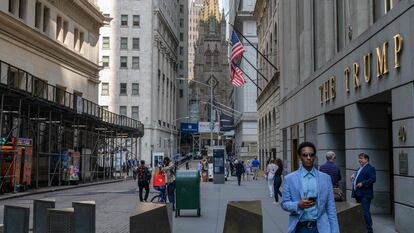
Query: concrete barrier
[(240, 212), (16, 219), (85, 219), (60, 220), (350, 217), (151, 218), (40, 214)]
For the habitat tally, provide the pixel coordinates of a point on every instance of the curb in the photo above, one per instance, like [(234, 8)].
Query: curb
[(58, 188)]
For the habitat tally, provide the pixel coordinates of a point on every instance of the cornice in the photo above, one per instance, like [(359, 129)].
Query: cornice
[(268, 90), (18, 33)]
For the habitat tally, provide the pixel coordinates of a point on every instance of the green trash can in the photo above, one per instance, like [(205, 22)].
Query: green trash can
[(187, 193)]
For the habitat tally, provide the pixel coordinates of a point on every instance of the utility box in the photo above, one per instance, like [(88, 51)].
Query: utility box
[(40, 208), (60, 220), (84, 216), (187, 191), (16, 219)]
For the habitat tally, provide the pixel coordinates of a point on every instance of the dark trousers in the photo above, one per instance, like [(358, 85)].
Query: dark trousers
[(304, 229), (171, 191), (238, 177), (366, 203), (276, 186), (143, 185)]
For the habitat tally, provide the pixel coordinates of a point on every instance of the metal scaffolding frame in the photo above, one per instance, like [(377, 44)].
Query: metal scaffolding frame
[(59, 122)]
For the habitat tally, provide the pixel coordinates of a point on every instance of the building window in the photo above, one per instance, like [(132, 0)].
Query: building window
[(105, 42), (381, 7), (65, 30), (135, 112), (124, 20), (135, 43), (135, 63), (122, 89), (22, 9), (181, 8), (136, 21), (135, 89), (340, 24), (58, 27), (124, 43), (12, 6), (105, 61), (181, 36), (81, 40), (181, 65), (124, 62), (76, 37), (181, 93), (181, 23), (46, 19), (104, 89), (38, 13), (181, 50), (123, 110)]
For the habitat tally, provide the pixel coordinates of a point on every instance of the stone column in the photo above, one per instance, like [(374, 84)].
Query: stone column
[(403, 143), (331, 137), (366, 130)]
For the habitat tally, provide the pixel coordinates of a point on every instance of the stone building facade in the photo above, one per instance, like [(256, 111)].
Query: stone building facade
[(140, 52), (59, 38), (350, 90), (269, 143), (245, 136)]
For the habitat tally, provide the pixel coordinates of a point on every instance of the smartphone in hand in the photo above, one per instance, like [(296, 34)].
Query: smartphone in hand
[(312, 199)]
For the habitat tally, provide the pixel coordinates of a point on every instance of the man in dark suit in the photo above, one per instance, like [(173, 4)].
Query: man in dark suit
[(362, 187)]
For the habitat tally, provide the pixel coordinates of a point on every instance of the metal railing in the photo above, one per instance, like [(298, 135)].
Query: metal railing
[(20, 80)]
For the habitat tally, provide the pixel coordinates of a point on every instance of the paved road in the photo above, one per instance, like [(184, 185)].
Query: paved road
[(114, 202)]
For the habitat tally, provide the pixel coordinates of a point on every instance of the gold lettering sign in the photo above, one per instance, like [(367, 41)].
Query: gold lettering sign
[(327, 90), (356, 78), (346, 72), (382, 64), (367, 68), (398, 44)]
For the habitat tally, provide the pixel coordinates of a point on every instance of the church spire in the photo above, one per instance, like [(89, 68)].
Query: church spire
[(211, 9)]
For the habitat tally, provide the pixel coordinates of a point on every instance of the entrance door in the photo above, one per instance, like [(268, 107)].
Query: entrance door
[(295, 159)]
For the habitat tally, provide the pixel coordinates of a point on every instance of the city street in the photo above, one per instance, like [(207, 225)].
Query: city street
[(114, 203)]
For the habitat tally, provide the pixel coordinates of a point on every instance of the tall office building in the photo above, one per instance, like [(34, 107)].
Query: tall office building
[(140, 53), (195, 7)]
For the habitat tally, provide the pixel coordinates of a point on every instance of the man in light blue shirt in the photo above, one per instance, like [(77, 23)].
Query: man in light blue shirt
[(308, 196)]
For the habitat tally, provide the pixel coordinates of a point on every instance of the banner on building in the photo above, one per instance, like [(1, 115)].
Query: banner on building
[(226, 122), (189, 127), (204, 127)]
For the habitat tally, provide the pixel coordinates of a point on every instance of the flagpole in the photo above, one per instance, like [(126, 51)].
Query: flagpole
[(255, 68), (261, 54), (250, 78)]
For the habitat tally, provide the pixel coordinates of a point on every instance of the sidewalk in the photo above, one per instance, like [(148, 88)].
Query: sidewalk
[(6, 196), (214, 199)]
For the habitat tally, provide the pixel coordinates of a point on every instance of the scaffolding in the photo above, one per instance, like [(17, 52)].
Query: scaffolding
[(72, 139)]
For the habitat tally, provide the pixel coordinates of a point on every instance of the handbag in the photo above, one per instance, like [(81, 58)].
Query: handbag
[(338, 194)]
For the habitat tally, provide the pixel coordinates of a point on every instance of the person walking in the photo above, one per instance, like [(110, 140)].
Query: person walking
[(144, 178), (362, 187), (200, 168), (239, 170), (244, 170), (248, 169), (270, 174), (255, 168), (204, 169), (169, 169), (308, 196), (331, 168), (277, 180)]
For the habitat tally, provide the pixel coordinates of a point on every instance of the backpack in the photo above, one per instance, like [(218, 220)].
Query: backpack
[(144, 174)]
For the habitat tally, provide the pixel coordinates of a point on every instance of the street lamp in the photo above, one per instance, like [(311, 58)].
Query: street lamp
[(211, 104), (171, 136)]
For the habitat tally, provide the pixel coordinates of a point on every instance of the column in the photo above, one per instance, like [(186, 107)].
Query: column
[(403, 145), (366, 130), (331, 137)]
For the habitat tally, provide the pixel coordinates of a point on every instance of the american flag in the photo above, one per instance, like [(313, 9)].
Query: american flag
[(236, 76), (237, 48)]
